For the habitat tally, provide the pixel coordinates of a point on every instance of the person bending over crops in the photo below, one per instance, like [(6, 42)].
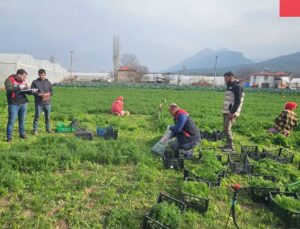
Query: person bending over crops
[(233, 102), (186, 133), (286, 121), (117, 107)]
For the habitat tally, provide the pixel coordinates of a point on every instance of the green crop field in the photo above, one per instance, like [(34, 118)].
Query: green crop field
[(59, 181)]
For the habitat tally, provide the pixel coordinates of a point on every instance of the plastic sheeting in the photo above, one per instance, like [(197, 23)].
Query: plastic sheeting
[(9, 63)]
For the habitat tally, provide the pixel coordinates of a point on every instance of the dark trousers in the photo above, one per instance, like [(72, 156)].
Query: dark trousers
[(38, 110)]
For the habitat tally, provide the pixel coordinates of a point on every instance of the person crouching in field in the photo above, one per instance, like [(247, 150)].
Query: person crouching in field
[(42, 100), (117, 107), (286, 121), (233, 102), (186, 133), (16, 90)]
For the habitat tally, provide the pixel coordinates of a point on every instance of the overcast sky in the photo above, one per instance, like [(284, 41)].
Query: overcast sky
[(159, 32)]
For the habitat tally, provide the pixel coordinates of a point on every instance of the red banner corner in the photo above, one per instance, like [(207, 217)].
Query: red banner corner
[(289, 8)]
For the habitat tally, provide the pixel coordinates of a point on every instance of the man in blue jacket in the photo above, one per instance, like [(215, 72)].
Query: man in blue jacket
[(185, 131)]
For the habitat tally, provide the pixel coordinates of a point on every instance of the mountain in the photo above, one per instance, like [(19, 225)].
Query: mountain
[(287, 63), (206, 59)]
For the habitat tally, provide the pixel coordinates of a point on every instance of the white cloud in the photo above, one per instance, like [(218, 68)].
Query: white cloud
[(160, 32)]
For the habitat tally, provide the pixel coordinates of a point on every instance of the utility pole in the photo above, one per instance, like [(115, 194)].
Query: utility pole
[(71, 67), (216, 61)]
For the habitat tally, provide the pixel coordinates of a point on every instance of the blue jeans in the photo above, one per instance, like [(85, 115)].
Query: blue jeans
[(15, 111), (38, 111)]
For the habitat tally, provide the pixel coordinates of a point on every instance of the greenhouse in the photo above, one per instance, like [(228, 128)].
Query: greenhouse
[(9, 63)]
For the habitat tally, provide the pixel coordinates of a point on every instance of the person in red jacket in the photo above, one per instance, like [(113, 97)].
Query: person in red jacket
[(117, 107)]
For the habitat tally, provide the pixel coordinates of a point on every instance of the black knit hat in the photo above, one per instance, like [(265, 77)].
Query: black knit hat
[(228, 74), (21, 71)]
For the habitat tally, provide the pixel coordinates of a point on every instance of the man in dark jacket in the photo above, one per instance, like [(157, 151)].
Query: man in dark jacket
[(42, 100), (185, 131), (232, 106), (16, 90)]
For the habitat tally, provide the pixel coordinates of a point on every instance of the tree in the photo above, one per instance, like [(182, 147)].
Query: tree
[(116, 55), (130, 60)]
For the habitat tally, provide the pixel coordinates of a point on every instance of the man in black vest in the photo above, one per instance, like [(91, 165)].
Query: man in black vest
[(232, 106), (16, 90), (42, 100), (185, 131)]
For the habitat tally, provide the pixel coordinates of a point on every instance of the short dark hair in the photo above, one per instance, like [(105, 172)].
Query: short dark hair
[(228, 74), (21, 71), (42, 71)]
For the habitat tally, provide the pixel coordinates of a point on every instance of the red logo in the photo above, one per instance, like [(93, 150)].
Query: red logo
[(289, 8)]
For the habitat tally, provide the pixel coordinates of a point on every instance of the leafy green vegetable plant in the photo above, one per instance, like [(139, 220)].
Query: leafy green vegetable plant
[(167, 214), (195, 188)]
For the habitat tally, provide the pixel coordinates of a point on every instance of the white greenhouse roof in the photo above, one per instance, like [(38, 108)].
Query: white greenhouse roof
[(10, 58)]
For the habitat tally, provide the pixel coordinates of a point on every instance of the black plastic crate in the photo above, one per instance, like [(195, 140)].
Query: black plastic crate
[(266, 177), (173, 163), (205, 149), (150, 223), (107, 133), (285, 156), (249, 149), (281, 155), (218, 156), (294, 187), (172, 159), (218, 135), (215, 135), (166, 198), (88, 135), (77, 125), (290, 219), (197, 203), (252, 152), (239, 163), (111, 133), (260, 194), (206, 135), (189, 175)]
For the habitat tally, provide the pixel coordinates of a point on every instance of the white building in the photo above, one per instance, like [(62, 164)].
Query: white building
[(266, 79), (92, 76), (185, 79), (9, 63), (294, 83)]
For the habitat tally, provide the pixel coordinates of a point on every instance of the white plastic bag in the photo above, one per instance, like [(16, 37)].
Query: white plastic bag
[(159, 148), (161, 145), (167, 136)]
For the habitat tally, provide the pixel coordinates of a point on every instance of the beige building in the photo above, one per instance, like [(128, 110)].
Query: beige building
[(126, 74)]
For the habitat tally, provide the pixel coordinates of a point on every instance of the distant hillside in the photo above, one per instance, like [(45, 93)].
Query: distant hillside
[(206, 59), (287, 63)]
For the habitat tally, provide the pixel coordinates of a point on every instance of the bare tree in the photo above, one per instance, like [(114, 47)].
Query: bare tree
[(130, 60), (141, 70)]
